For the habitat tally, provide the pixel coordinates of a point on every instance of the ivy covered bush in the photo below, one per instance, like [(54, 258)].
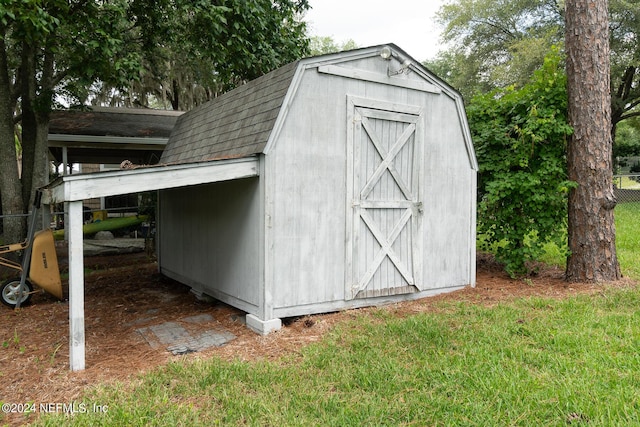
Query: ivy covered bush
[(520, 140)]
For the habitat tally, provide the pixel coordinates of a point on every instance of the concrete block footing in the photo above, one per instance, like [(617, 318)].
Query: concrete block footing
[(262, 327)]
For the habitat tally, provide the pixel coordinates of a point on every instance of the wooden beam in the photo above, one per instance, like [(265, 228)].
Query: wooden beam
[(76, 288), (369, 76), (88, 186)]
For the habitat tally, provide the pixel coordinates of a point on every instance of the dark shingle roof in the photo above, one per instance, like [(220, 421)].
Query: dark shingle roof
[(118, 122), (235, 124)]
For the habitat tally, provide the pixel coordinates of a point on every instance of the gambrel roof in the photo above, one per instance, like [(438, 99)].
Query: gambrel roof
[(235, 124), (243, 121)]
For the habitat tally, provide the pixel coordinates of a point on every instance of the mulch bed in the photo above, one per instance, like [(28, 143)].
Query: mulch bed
[(125, 292)]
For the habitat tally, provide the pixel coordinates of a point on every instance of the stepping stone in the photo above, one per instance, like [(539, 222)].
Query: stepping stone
[(179, 341)]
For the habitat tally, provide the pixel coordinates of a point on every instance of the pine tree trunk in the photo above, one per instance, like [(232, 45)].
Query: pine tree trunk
[(591, 220)]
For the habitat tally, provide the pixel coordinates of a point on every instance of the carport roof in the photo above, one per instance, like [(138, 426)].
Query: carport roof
[(76, 188), (80, 187), (110, 135)]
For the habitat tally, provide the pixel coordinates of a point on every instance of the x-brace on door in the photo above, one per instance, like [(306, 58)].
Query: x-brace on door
[(385, 149)]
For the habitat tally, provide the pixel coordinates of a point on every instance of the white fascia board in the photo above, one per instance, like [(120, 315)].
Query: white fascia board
[(61, 140), (102, 184)]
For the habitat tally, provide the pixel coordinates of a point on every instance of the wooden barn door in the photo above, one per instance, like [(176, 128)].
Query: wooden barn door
[(384, 160)]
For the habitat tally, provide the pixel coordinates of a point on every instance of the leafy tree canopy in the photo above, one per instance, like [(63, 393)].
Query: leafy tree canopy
[(122, 51), (495, 43), (325, 44), (624, 26), (628, 139), (193, 51)]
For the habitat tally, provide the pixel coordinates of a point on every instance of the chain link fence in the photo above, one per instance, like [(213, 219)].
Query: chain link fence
[(627, 188)]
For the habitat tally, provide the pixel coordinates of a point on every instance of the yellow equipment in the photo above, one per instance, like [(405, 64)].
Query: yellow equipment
[(39, 265)]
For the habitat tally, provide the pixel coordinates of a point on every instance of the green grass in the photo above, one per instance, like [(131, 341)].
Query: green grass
[(532, 362), (626, 183), (628, 238), (627, 217)]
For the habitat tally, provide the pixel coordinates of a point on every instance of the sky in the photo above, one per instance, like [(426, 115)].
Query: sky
[(409, 24)]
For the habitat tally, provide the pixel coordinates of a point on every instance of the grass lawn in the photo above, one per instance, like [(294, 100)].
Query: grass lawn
[(531, 362), (628, 238), (627, 217), (626, 183)]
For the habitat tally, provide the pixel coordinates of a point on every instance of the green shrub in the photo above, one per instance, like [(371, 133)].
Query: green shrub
[(520, 141)]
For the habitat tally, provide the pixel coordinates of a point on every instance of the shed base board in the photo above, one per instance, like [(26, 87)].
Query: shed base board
[(334, 306), (263, 327)]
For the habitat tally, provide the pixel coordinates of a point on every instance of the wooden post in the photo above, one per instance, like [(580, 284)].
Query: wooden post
[(65, 160), (76, 287)]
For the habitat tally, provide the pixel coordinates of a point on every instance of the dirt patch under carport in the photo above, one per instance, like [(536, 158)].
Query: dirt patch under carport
[(124, 293)]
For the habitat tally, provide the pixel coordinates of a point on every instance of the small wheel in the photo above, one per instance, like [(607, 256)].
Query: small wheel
[(10, 292)]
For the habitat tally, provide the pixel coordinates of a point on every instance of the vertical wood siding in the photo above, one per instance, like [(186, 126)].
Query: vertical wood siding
[(449, 203), (308, 237), (310, 212), (210, 234)]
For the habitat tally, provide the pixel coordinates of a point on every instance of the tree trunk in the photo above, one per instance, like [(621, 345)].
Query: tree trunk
[(592, 233), (41, 164), (29, 123), (175, 103), (10, 185), (36, 106)]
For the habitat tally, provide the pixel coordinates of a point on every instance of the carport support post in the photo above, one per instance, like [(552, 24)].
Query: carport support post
[(76, 287)]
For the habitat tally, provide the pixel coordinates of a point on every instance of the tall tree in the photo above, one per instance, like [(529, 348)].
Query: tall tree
[(63, 48), (44, 43), (10, 189), (184, 66), (494, 43), (624, 24), (591, 231)]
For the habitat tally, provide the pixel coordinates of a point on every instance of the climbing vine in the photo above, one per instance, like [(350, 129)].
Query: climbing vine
[(520, 140)]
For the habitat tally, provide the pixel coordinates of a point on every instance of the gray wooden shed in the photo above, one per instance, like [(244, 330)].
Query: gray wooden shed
[(356, 186), (338, 181)]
